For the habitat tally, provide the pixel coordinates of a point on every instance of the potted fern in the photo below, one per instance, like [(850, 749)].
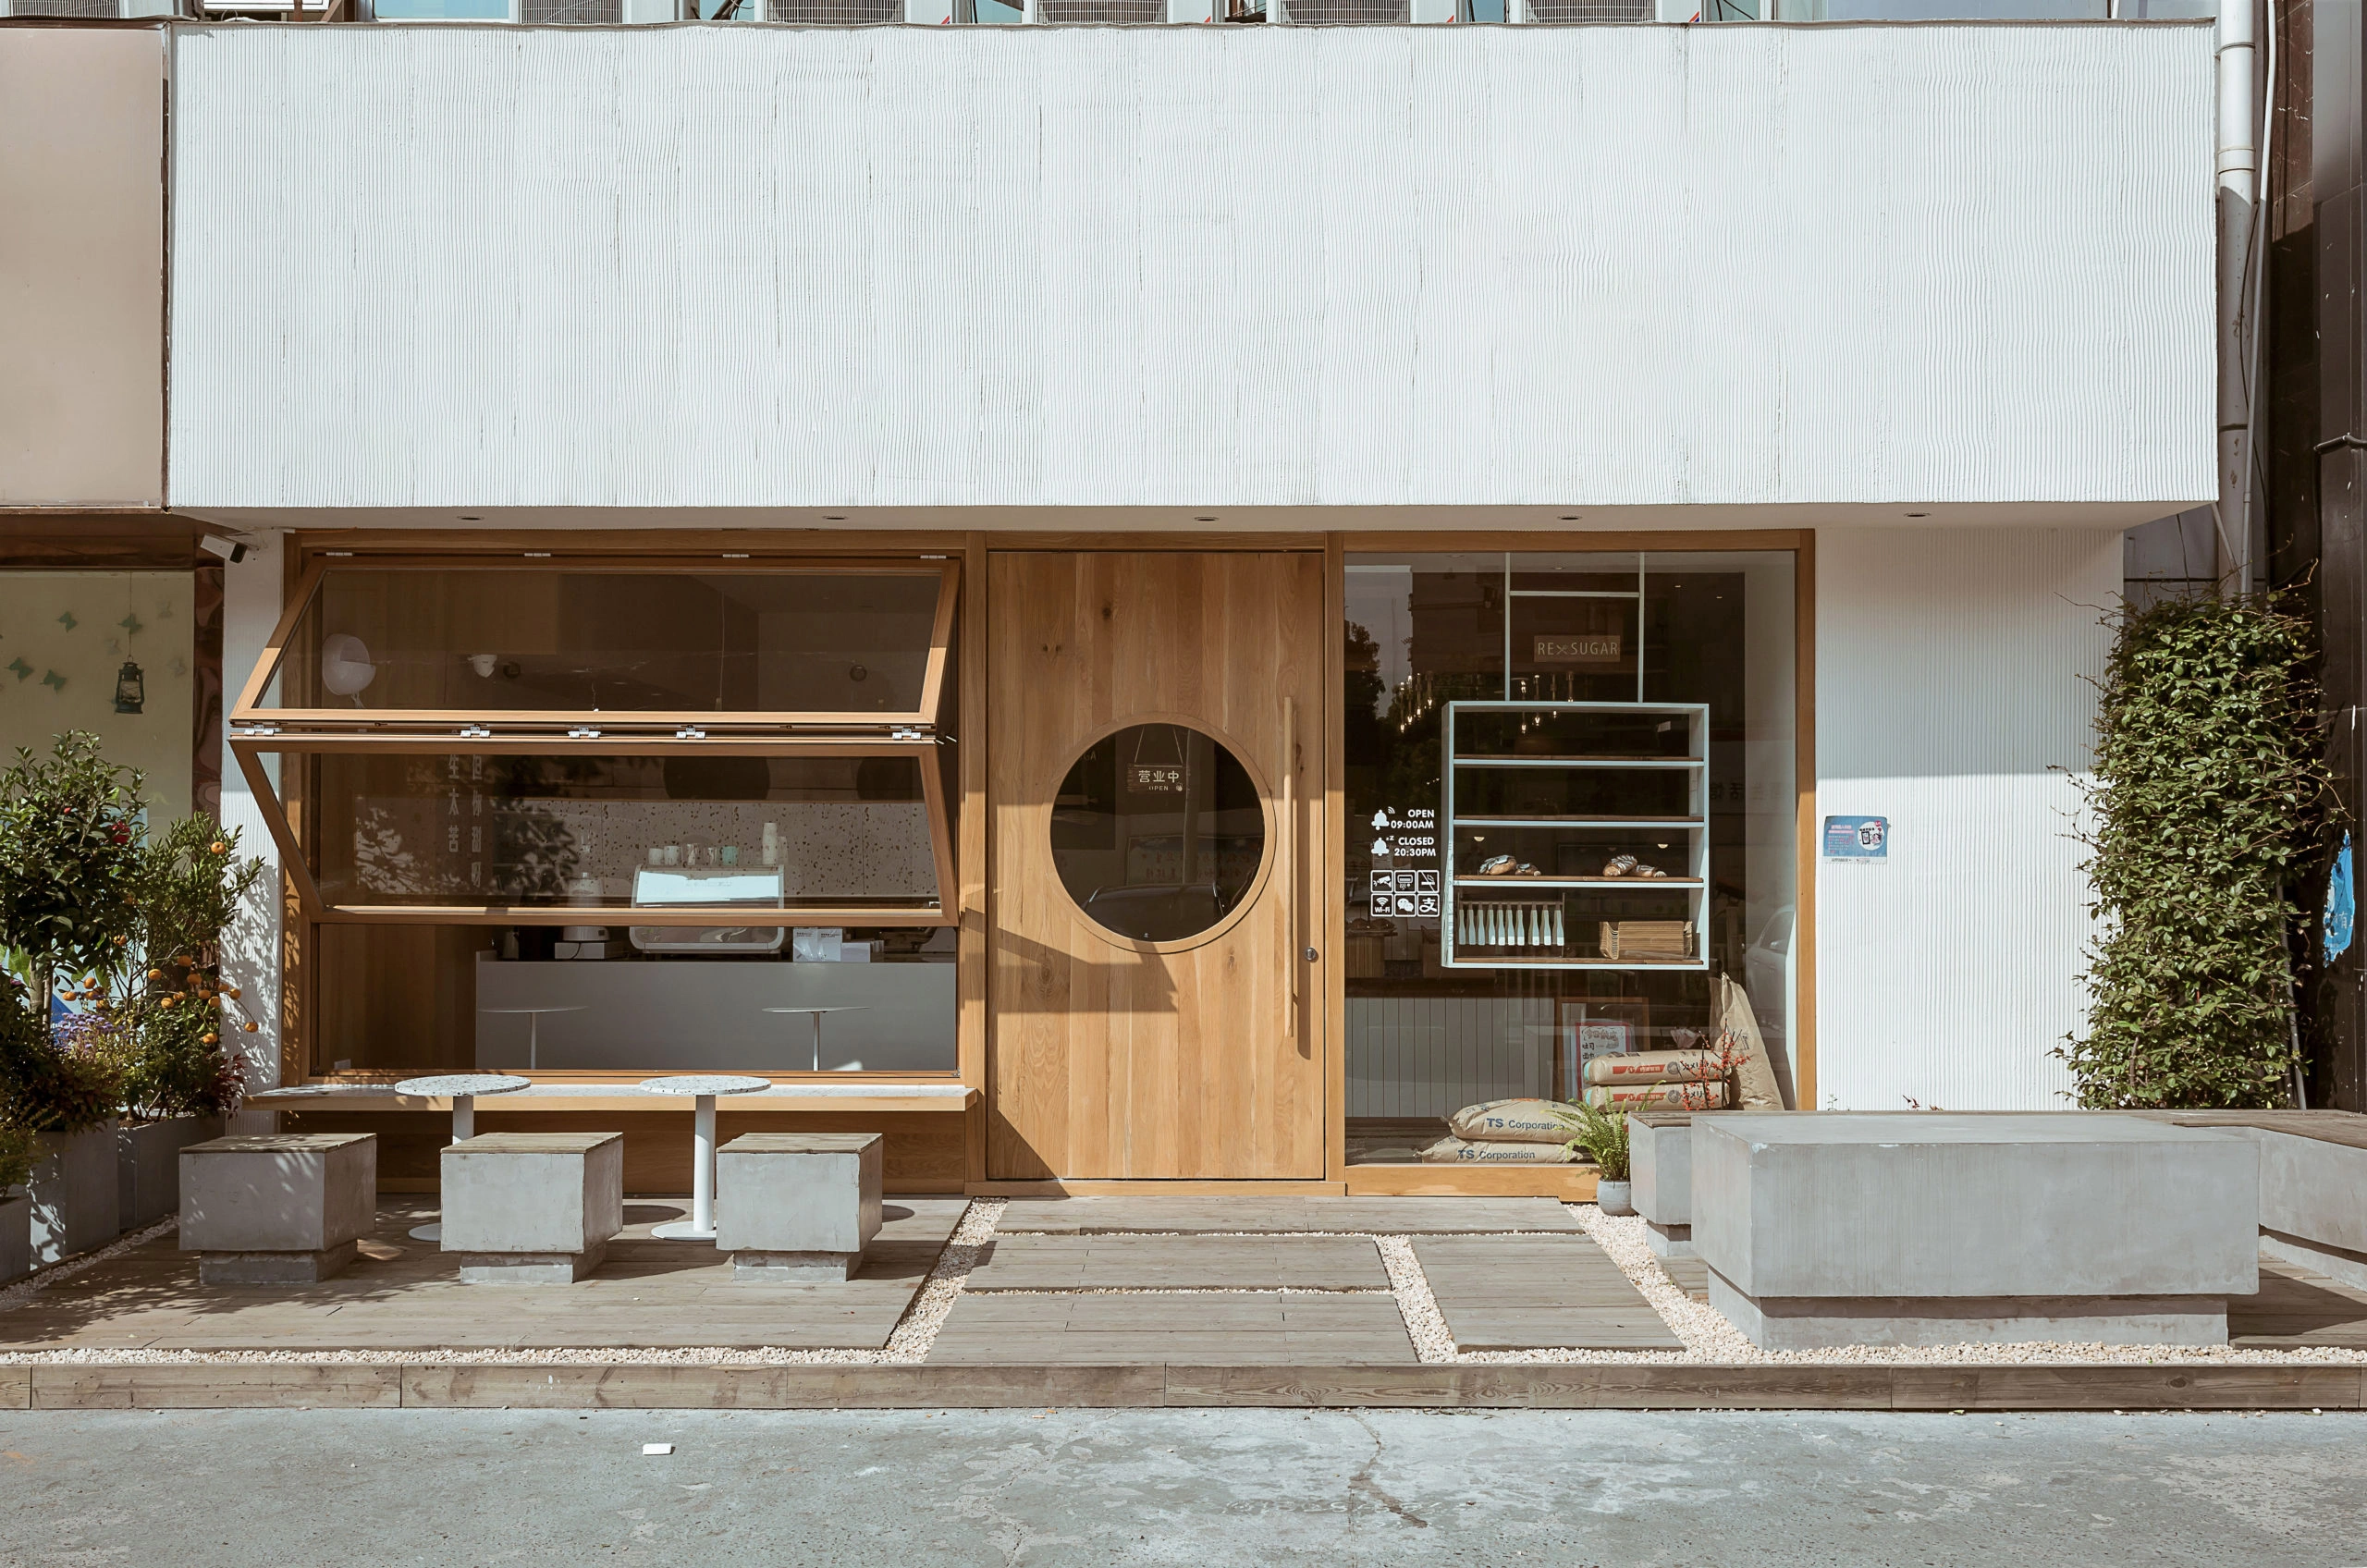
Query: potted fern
[(1601, 1136)]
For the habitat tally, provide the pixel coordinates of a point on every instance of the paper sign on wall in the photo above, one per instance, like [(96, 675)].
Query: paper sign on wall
[(1863, 839)]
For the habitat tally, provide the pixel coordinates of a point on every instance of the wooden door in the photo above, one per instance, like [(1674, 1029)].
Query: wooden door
[(1113, 1058)]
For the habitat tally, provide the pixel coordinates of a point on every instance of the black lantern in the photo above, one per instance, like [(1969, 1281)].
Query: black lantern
[(130, 688)]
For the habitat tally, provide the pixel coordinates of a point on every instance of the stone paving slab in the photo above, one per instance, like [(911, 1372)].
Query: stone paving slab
[(1038, 1262), (1538, 1292), (1201, 1328), (1388, 1216)]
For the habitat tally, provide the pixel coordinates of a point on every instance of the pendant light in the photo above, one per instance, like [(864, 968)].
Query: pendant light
[(131, 682)]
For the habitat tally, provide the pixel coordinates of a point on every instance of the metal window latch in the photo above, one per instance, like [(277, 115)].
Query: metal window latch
[(690, 732), (475, 732), (1310, 955), (582, 734), (255, 729), (906, 735)]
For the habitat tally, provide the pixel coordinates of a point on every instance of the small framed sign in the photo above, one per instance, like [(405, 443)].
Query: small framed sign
[(1154, 778), (1865, 839)]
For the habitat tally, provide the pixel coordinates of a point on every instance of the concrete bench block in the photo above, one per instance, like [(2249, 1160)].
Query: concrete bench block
[(533, 1208), (1659, 1162), (277, 1209), (1929, 1228), (797, 1208), (76, 1204)]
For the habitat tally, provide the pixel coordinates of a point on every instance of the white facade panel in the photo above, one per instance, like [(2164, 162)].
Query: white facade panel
[(1951, 700), (455, 267)]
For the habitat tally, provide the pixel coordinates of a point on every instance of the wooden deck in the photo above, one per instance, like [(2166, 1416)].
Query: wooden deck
[(1045, 1262), (1212, 1328), (1538, 1292), (1102, 1300), (402, 1294)]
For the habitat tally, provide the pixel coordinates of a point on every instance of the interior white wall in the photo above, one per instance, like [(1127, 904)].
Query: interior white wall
[(251, 949), (1950, 699)]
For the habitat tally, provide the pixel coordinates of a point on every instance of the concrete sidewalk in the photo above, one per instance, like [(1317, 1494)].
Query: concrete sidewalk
[(1212, 1490)]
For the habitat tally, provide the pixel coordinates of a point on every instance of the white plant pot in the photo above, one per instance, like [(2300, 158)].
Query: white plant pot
[(16, 1237), (1614, 1198), (74, 1192), (148, 1165)]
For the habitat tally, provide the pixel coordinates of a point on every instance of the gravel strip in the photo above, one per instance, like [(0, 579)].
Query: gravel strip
[(1425, 1324), (933, 1303), (1710, 1339)]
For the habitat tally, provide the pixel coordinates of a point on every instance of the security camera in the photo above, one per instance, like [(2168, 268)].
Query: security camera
[(228, 549)]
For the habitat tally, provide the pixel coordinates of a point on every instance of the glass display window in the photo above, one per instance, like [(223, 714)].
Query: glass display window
[(1572, 783), (615, 816), (540, 831), (384, 643), (524, 741)]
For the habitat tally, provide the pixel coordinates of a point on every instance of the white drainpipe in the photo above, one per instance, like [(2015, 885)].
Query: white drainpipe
[(2238, 194)]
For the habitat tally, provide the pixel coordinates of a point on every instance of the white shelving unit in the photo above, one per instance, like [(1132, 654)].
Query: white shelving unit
[(1553, 920)]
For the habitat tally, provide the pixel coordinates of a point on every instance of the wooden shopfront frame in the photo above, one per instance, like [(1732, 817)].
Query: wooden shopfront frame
[(965, 558)]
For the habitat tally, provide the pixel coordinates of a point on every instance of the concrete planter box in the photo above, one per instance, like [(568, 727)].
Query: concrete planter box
[(16, 1237), (533, 1208), (2312, 1203), (1923, 1229), (277, 1209), (798, 1207), (76, 1204), (148, 1165), (1660, 1161)]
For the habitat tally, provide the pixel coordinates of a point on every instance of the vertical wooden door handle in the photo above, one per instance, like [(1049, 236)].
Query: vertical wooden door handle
[(1286, 868)]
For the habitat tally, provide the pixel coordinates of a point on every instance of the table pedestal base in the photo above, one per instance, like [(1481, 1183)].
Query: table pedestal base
[(684, 1230)]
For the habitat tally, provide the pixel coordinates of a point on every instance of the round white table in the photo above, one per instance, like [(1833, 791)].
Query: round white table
[(533, 1016), (817, 1012), (463, 1089), (702, 1088)]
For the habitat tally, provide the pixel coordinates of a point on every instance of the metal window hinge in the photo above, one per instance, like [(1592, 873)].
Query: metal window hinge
[(906, 735), (582, 734), (253, 729), (475, 732), (690, 732)]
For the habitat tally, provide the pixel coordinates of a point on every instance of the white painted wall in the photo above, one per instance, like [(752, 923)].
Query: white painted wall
[(251, 949), (462, 268), (1948, 693)]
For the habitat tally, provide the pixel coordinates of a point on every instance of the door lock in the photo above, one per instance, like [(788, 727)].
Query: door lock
[(1310, 955)]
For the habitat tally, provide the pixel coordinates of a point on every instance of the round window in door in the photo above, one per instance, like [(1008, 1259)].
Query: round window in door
[(1158, 832)]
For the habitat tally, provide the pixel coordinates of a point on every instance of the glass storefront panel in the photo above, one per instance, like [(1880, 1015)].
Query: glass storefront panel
[(1570, 778), (618, 818), (374, 640)]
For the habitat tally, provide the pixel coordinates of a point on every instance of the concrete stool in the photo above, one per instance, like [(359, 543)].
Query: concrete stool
[(277, 1209), (797, 1208), (533, 1208), (1925, 1229)]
